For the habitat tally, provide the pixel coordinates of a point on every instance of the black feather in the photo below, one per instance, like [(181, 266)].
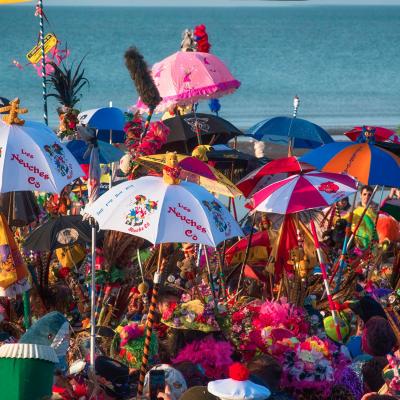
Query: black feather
[(140, 75)]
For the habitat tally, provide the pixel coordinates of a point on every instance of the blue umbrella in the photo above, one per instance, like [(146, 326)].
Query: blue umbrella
[(109, 121), (108, 153), (280, 129)]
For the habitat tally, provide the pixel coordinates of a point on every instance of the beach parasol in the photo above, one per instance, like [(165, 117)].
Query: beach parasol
[(261, 176), (368, 163), (162, 211), (158, 212), (303, 192), (184, 78), (381, 134), (107, 152), (32, 158), (184, 129), (59, 232), (108, 121), (194, 170), (280, 130)]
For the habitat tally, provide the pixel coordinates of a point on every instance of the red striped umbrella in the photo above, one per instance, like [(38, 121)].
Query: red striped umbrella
[(304, 192), (261, 177)]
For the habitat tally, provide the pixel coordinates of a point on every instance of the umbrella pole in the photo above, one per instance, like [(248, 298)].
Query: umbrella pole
[(41, 38), (150, 321), (342, 258), (325, 279), (246, 254), (296, 103), (93, 297), (27, 309), (210, 277)]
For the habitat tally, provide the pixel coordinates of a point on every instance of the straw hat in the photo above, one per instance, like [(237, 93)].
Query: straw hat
[(238, 386)]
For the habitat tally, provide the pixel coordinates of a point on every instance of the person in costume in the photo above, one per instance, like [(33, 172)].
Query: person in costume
[(28, 366)]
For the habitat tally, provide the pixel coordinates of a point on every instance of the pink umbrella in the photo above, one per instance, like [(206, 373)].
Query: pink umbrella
[(261, 177), (304, 192), (381, 134), (187, 77)]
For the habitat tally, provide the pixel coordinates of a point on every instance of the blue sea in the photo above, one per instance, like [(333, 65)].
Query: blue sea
[(343, 61)]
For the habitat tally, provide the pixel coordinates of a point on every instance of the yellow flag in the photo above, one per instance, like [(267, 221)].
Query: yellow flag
[(14, 1)]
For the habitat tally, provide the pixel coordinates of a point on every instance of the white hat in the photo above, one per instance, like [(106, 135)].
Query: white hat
[(238, 386)]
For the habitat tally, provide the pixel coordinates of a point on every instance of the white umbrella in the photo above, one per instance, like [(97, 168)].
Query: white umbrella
[(33, 158), (162, 213)]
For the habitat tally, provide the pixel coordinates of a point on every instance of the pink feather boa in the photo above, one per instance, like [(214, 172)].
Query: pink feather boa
[(213, 356)]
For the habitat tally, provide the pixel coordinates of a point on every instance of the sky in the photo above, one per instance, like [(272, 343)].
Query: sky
[(215, 2)]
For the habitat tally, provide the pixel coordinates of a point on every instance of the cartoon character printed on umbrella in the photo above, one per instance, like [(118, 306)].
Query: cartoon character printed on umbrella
[(216, 212), (56, 153), (139, 209)]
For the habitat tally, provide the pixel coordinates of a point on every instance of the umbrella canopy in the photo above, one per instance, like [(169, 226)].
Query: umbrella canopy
[(303, 192), (306, 133), (369, 164), (162, 213), (19, 208), (108, 153), (392, 207), (184, 78), (33, 158), (260, 177), (4, 102), (59, 232), (107, 118), (381, 134), (183, 128), (194, 170)]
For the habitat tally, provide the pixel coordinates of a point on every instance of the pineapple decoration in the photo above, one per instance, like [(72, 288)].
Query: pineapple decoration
[(67, 84)]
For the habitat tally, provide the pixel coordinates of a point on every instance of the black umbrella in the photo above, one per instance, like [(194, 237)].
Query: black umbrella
[(59, 232), (19, 208), (183, 137)]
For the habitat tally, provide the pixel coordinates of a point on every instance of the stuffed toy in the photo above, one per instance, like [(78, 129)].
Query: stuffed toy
[(188, 43), (201, 151), (201, 38), (171, 170), (187, 268), (13, 111), (300, 261)]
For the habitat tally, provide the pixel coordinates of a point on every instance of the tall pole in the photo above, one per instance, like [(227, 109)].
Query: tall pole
[(93, 297), (41, 37), (296, 103)]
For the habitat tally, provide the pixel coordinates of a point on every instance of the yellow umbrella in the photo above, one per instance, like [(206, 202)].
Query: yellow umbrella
[(194, 170)]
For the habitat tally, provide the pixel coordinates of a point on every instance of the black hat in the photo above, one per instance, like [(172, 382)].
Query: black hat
[(367, 308)]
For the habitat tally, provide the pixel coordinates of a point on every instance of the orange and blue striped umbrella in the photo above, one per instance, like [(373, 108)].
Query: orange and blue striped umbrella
[(369, 164)]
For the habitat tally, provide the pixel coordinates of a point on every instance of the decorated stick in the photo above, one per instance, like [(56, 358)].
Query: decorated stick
[(150, 321), (39, 10), (296, 103), (246, 254), (144, 83), (325, 279)]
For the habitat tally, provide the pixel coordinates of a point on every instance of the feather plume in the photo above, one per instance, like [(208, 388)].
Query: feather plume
[(140, 75)]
